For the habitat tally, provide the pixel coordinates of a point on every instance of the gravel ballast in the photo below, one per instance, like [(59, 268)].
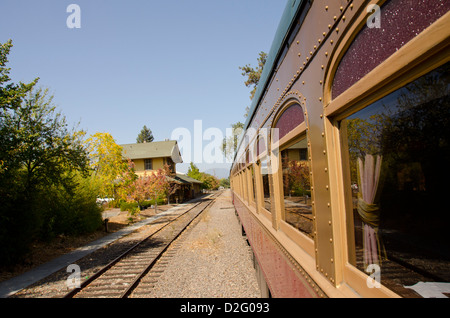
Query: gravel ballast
[(213, 260)]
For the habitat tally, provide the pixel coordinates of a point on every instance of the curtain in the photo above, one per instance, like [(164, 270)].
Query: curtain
[(369, 174)]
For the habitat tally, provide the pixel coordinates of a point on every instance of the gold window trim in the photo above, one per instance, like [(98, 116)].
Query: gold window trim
[(421, 55)]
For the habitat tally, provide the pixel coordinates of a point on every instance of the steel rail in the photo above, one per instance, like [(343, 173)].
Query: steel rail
[(91, 279), (138, 278)]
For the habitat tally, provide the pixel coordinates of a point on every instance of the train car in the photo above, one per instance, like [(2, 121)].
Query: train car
[(341, 176)]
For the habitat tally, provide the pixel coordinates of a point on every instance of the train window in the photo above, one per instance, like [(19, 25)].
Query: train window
[(252, 183), (401, 21), (396, 155), (297, 187), (291, 118), (244, 185), (264, 166)]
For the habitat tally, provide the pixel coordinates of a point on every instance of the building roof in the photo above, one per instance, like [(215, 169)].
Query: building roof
[(158, 149), (182, 179), (186, 178)]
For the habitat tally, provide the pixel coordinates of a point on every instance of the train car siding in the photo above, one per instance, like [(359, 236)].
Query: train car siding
[(317, 65)]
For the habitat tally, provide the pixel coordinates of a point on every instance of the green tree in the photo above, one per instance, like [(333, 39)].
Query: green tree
[(11, 95), (230, 143), (224, 182), (43, 163), (253, 75), (145, 135), (194, 172)]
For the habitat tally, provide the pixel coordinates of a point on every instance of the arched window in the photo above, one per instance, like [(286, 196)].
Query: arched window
[(296, 210), (289, 119), (400, 21)]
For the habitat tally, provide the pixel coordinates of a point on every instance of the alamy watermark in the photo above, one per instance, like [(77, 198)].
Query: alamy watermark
[(211, 145), (374, 279), (374, 19), (73, 281), (74, 19)]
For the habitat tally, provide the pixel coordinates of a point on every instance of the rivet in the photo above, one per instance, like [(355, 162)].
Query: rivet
[(324, 152), (323, 134), (343, 18), (341, 8), (315, 47), (326, 169), (329, 26), (331, 41), (321, 115), (299, 54), (324, 34), (327, 187), (326, 8), (335, 18), (321, 67), (328, 204), (320, 98), (303, 82), (320, 82), (329, 222), (332, 260), (298, 42), (307, 58), (331, 240), (337, 29)]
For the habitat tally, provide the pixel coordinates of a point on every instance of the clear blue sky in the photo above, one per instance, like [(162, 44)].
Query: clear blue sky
[(132, 63)]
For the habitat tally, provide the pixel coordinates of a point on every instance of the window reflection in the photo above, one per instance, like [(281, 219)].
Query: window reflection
[(264, 165), (297, 187), (253, 185), (398, 152)]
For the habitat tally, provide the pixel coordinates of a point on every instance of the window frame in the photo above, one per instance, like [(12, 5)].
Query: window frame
[(424, 53), (146, 162), (300, 132)]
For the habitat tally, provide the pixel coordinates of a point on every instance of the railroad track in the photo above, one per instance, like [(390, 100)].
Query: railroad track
[(120, 278)]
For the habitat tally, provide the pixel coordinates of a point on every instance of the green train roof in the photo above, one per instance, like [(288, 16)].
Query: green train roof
[(281, 37)]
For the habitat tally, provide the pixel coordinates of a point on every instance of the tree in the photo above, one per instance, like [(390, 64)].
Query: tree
[(230, 143), (139, 189), (43, 169), (224, 182), (106, 161), (11, 95), (144, 136), (43, 162), (171, 186), (194, 172), (208, 181), (253, 75)]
